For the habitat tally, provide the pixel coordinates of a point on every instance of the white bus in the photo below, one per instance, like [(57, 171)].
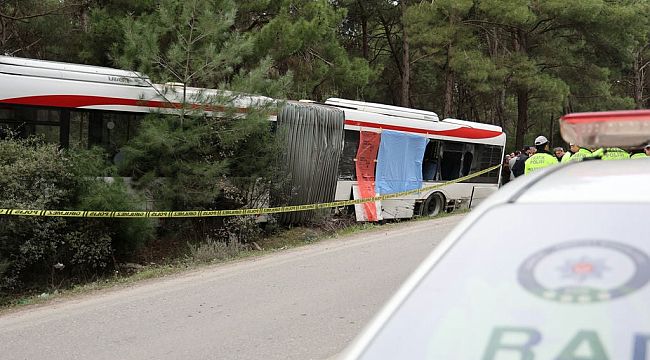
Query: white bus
[(82, 106), (455, 148)]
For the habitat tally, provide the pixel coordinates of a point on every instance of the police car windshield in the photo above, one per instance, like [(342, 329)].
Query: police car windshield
[(570, 286)]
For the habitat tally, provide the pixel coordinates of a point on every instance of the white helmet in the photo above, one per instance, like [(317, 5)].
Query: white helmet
[(540, 140)]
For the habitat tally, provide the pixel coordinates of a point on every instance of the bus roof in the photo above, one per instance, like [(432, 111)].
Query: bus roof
[(67, 71), (63, 85), (384, 109)]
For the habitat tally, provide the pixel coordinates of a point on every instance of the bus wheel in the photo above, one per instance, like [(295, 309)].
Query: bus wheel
[(433, 205)]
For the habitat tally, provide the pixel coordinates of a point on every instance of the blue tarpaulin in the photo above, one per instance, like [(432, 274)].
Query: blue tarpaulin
[(399, 163)]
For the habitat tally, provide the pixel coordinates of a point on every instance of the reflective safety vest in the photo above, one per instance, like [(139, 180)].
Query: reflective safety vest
[(580, 155), (566, 157), (539, 161), (639, 156), (612, 154)]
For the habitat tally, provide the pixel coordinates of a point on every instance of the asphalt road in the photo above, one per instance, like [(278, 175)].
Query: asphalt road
[(304, 303)]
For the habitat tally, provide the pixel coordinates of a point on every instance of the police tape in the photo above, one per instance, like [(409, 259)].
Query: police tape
[(236, 212)]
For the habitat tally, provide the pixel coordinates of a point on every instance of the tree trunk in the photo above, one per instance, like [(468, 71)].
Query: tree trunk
[(364, 29), (500, 107), (406, 61), (449, 90), (364, 38), (639, 75), (522, 118), (551, 131), (523, 94), (84, 15)]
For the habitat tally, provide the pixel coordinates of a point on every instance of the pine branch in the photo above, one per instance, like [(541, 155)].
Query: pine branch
[(423, 57), (644, 65), (390, 43), (505, 26), (161, 61), (539, 23), (25, 47), (316, 55), (31, 16)]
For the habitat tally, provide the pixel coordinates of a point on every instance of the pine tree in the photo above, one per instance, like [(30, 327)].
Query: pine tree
[(193, 43), (303, 38)]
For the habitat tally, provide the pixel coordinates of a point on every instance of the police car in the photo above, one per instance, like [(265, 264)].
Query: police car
[(555, 265)]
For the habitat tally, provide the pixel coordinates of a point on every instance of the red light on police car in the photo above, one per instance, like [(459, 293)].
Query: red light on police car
[(629, 128)]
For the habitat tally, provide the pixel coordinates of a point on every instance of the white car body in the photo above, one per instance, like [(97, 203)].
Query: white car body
[(555, 265)]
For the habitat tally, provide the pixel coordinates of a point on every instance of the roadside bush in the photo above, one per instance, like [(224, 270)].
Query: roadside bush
[(127, 235), (240, 229), (89, 247), (211, 250), (30, 247), (35, 250), (204, 163), (33, 175)]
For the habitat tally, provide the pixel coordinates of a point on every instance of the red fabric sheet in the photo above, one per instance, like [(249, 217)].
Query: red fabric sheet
[(365, 167)]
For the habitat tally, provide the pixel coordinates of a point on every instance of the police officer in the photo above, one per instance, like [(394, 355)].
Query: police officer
[(559, 153), (577, 154), (542, 157), (643, 154), (519, 166), (611, 154)]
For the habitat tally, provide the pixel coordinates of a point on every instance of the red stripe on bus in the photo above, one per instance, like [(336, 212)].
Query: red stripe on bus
[(463, 132), (78, 101)]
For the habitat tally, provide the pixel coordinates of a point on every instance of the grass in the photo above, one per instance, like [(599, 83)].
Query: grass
[(207, 254), (147, 272)]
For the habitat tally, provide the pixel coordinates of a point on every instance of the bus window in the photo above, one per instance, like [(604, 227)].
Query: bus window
[(47, 124), (431, 160), (450, 164), (8, 124), (117, 129), (486, 156), (111, 130), (467, 163), (23, 122), (79, 121), (347, 167)]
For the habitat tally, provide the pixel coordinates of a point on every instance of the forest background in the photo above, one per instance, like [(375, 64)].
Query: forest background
[(519, 64)]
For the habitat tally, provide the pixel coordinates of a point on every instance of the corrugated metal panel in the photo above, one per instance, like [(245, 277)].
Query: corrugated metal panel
[(313, 137)]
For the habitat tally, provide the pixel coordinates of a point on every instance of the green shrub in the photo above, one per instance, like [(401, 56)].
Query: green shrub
[(202, 163), (36, 250), (89, 247), (211, 250), (128, 235), (240, 229), (33, 175)]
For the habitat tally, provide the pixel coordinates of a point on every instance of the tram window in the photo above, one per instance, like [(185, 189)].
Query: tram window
[(51, 117), (111, 130), (4, 132), (467, 163), (5, 113), (23, 122), (79, 122), (8, 127), (451, 160), (74, 128), (431, 160), (484, 157), (47, 132), (347, 166), (450, 165)]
